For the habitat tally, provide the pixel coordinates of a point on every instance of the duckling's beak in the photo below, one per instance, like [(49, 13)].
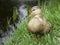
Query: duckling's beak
[(30, 14)]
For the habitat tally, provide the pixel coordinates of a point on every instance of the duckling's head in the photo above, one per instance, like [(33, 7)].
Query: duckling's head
[(35, 11)]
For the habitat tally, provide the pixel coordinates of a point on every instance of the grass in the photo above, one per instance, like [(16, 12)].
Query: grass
[(23, 37)]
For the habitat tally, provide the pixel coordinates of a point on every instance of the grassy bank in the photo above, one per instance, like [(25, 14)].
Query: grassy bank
[(24, 37)]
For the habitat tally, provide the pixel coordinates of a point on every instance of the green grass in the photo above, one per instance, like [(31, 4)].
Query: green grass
[(24, 37)]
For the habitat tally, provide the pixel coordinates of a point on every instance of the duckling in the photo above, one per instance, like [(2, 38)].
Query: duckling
[(38, 24)]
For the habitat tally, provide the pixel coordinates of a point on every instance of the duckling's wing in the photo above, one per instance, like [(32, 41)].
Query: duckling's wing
[(35, 25)]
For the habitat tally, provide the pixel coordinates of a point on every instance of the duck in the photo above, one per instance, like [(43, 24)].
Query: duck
[(38, 23)]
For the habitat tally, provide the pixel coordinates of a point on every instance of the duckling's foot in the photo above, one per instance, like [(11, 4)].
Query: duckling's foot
[(37, 37)]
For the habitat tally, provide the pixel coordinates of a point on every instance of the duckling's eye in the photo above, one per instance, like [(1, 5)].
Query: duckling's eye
[(33, 10)]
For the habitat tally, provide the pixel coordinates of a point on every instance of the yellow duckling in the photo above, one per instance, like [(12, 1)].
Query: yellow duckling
[(38, 24)]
